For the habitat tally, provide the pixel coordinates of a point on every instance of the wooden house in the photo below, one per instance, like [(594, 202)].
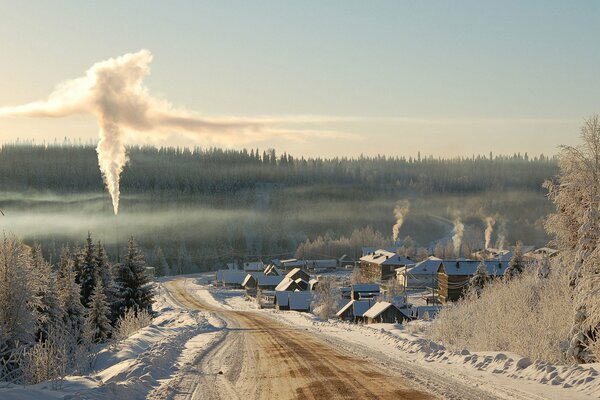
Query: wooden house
[(454, 276), (293, 301), (354, 310), (363, 291), (420, 275), (384, 312), (381, 265)]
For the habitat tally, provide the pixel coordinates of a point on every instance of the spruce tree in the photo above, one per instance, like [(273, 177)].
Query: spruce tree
[(479, 279), (97, 324), (134, 288), (49, 308), (516, 264), (69, 295), (88, 266)]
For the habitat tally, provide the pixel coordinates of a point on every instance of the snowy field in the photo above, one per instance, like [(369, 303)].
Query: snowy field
[(146, 364)]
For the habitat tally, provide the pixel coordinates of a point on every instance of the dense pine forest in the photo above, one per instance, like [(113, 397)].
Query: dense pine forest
[(211, 205)]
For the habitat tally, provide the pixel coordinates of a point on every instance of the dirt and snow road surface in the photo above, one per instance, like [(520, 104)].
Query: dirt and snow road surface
[(261, 358)]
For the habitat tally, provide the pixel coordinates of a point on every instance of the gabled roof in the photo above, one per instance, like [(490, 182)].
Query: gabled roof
[(359, 307), (254, 266), (384, 257), (428, 266), (378, 308), (468, 267), (366, 287), (233, 277), (247, 280), (367, 249), (269, 280), (294, 300), (286, 284)]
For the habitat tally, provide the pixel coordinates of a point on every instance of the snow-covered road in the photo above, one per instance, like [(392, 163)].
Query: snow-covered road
[(258, 357)]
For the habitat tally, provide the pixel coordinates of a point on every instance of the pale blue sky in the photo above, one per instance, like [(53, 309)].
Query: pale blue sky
[(442, 77)]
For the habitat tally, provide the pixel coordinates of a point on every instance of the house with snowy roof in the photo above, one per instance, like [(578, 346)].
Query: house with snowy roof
[(454, 276), (542, 253), (384, 312), (230, 279), (361, 291), (293, 301), (420, 275), (382, 264), (354, 310)]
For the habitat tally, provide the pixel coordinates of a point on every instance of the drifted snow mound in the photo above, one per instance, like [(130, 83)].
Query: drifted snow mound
[(132, 368)]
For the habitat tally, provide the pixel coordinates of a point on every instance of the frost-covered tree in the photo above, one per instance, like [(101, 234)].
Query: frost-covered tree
[(49, 310), (97, 324), (69, 295), (19, 300), (161, 266), (87, 265), (576, 228), (325, 302), (516, 264), (479, 279), (133, 286)]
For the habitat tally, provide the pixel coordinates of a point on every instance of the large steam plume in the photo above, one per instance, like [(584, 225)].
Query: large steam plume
[(113, 91), (458, 232), (400, 211), (489, 229)]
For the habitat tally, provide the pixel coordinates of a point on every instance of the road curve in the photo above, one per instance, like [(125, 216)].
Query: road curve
[(260, 358)]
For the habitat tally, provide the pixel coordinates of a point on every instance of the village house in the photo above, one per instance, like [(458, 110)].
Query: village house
[(420, 275), (363, 291), (321, 265), (384, 312), (256, 266), (354, 310), (230, 278), (540, 254), (381, 265), (260, 281), (293, 301), (272, 269), (454, 276), (295, 280)]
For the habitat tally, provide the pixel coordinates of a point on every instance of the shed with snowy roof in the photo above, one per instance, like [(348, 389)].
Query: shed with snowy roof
[(293, 301), (384, 312), (354, 310)]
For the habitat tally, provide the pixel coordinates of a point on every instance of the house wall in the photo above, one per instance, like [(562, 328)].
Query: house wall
[(451, 288)]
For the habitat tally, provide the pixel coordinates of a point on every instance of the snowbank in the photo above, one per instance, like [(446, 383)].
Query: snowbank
[(138, 365), (410, 341)]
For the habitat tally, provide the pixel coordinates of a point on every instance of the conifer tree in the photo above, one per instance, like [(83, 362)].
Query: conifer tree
[(134, 289), (49, 309), (479, 279), (88, 265), (97, 324), (69, 295), (516, 264)]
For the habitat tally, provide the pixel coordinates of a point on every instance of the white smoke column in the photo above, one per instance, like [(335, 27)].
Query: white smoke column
[(459, 230), (400, 211), (113, 91), (501, 241), (489, 222)]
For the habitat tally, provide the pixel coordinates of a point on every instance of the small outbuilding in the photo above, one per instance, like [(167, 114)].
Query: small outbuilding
[(384, 312), (293, 301), (354, 310)]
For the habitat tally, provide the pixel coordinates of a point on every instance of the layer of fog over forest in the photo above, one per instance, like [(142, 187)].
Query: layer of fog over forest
[(204, 207)]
